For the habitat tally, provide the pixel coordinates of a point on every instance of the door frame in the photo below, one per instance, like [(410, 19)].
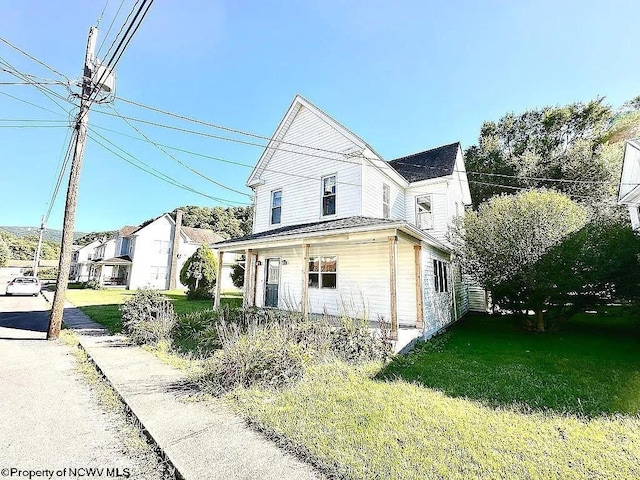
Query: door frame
[(266, 279)]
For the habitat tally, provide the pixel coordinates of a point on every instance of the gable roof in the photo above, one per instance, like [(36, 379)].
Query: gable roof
[(434, 163), (127, 230), (201, 235), (275, 141)]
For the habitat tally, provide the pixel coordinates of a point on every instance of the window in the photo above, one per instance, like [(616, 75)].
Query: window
[(386, 200), (161, 246), (441, 276), (424, 216), (158, 273), (323, 272), (276, 206), (329, 195)]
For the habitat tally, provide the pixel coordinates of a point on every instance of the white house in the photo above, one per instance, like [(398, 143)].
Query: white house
[(150, 255), (629, 192), (82, 261), (337, 229)]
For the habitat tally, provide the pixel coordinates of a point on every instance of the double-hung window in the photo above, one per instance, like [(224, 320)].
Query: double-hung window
[(441, 276), (424, 213), (161, 246), (386, 201), (276, 207), (323, 272), (329, 195)]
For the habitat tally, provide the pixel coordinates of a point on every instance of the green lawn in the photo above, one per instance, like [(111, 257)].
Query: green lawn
[(102, 306), (488, 400)]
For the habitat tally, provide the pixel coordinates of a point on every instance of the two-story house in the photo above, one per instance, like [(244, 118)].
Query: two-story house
[(629, 191), (150, 255), (337, 229), (82, 261)]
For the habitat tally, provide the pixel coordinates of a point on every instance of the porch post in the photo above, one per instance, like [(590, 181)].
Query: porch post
[(393, 280), (305, 281), (246, 299), (216, 300), (255, 282), (417, 252)]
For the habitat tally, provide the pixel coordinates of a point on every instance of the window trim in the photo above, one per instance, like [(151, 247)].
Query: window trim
[(386, 203), (418, 224), (335, 195), (319, 272), (271, 209)]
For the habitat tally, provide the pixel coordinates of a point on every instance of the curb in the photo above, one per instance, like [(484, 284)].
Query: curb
[(131, 416)]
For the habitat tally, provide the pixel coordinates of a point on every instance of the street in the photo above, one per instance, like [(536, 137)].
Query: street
[(50, 418)]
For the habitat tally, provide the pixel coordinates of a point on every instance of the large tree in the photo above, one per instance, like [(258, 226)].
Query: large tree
[(502, 244), (577, 147)]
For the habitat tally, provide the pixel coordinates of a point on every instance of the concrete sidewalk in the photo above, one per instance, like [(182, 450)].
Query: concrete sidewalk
[(203, 440)]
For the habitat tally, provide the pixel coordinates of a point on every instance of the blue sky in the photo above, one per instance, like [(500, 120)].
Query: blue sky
[(404, 76)]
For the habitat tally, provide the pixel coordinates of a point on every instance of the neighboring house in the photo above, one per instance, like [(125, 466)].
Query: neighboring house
[(82, 261), (629, 192), (337, 229), (144, 256)]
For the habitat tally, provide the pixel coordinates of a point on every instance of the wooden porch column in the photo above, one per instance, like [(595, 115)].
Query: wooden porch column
[(417, 252), (248, 289), (393, 280), (216, 300), (254, 297), (304, 308)]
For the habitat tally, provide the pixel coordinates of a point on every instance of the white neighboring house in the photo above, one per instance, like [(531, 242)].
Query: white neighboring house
[(144, 256), (337, 229), (629, 192), (81, 262)]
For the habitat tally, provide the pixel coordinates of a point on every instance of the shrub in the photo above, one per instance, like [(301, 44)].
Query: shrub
[(148, 317), (262, 356), (93, 285), (199, 273), (353, 342)]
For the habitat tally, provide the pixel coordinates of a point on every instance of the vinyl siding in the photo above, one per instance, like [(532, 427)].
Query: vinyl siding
[(299, 174), (373, 179), (440, 207)]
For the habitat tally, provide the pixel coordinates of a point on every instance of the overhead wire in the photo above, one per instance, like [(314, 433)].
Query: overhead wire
[(49, 67), (106, 35)]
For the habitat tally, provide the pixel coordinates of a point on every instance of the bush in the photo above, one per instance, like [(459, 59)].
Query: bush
[(148, 317), (263, 357), (199, 273), (93, 285)]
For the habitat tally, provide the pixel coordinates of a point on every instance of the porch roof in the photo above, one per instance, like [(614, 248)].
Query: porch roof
[(124, 260), (328, 228)]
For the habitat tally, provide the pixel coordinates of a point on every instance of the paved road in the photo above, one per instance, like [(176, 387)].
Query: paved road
[(49, 416)]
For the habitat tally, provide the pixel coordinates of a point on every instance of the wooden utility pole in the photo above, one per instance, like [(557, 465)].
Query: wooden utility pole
[(36, 260), (82, 121)]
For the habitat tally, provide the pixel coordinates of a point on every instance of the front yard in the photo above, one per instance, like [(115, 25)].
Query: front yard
[(486, 400)]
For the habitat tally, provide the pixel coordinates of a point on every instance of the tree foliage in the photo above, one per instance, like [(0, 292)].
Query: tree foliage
[(24, 248), (199, 273), (237, 273), (502, 245), (230, 222), (4, 253), (576, 143)]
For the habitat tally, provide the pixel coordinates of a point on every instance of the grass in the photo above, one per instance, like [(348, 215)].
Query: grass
[(102, 306), (487, 400)]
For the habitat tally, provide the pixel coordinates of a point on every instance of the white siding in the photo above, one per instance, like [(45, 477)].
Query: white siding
[(298, 175), (440, 207), (373, 179), (437, 307), (146, 254)]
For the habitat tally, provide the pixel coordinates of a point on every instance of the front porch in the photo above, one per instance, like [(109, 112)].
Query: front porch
[(112, 272)]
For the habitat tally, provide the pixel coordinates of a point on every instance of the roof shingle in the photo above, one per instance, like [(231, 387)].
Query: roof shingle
[(434, 163)]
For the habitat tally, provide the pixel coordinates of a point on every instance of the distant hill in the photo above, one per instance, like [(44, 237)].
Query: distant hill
[(52, 235)]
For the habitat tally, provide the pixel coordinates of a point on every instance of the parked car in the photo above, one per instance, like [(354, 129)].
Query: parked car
[(24, 286)]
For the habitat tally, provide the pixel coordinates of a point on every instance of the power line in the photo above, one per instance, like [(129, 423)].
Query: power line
[(34, 59), (160, 175), (63, 167), (113, 20), (177, 160)]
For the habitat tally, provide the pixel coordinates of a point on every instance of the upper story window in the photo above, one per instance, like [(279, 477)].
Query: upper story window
[(386, 201), (276, 207), (161, 246), (329, 195), (424, 212)]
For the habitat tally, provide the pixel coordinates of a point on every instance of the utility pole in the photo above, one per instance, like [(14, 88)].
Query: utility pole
[(55, 321), (36, 260)]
